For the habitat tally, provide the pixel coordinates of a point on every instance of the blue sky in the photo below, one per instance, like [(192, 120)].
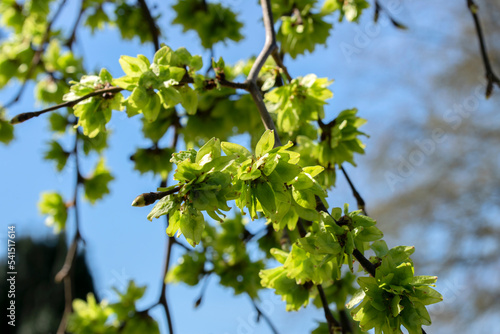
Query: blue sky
[(121, 244)]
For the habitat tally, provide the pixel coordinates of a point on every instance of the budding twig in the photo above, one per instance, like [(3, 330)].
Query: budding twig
[(146, 199)]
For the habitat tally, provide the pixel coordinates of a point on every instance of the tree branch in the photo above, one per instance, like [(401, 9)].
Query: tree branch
[(251, 81), (28, 115), (279, 62), (65, 274), (153, 28), (355, 193), (270, 44), (264, 316), (491, 77), (379, 8), (72, 37), (163, 298), (332, 323)]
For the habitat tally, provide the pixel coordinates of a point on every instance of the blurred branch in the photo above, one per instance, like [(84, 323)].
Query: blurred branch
[(203, 290), (66, 272), (153, 28), (264, 316), (37, 56), (491, 77), (72, 37), (379, 8)]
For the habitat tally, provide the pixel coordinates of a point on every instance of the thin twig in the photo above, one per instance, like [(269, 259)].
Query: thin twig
[(65, 274), (153, 28), (198, 301), (37, 56), (163, 298), (28, 115), (360, 201), (379, 8), (264, 316), (333, 324), (72, 37), (491, 77), (279, 62)]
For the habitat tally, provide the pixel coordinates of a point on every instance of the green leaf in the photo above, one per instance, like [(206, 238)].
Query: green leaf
[(210, 151), (189, 99), (133, 67), (265, 194), (265, 144), (97, 185), (58, 154), (167, 205), (52, 205), (240, 151), (192, 224)]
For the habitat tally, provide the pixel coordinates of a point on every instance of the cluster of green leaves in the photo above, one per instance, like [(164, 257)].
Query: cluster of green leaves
[(127, 17), (299, 102), (28, 18), (304, 25), (394, 297), (90, 317), (95, 112), (224, 254), (350, 9), (317, 257), (213, 22), (158, 84), (269, 182), (338, 142)]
